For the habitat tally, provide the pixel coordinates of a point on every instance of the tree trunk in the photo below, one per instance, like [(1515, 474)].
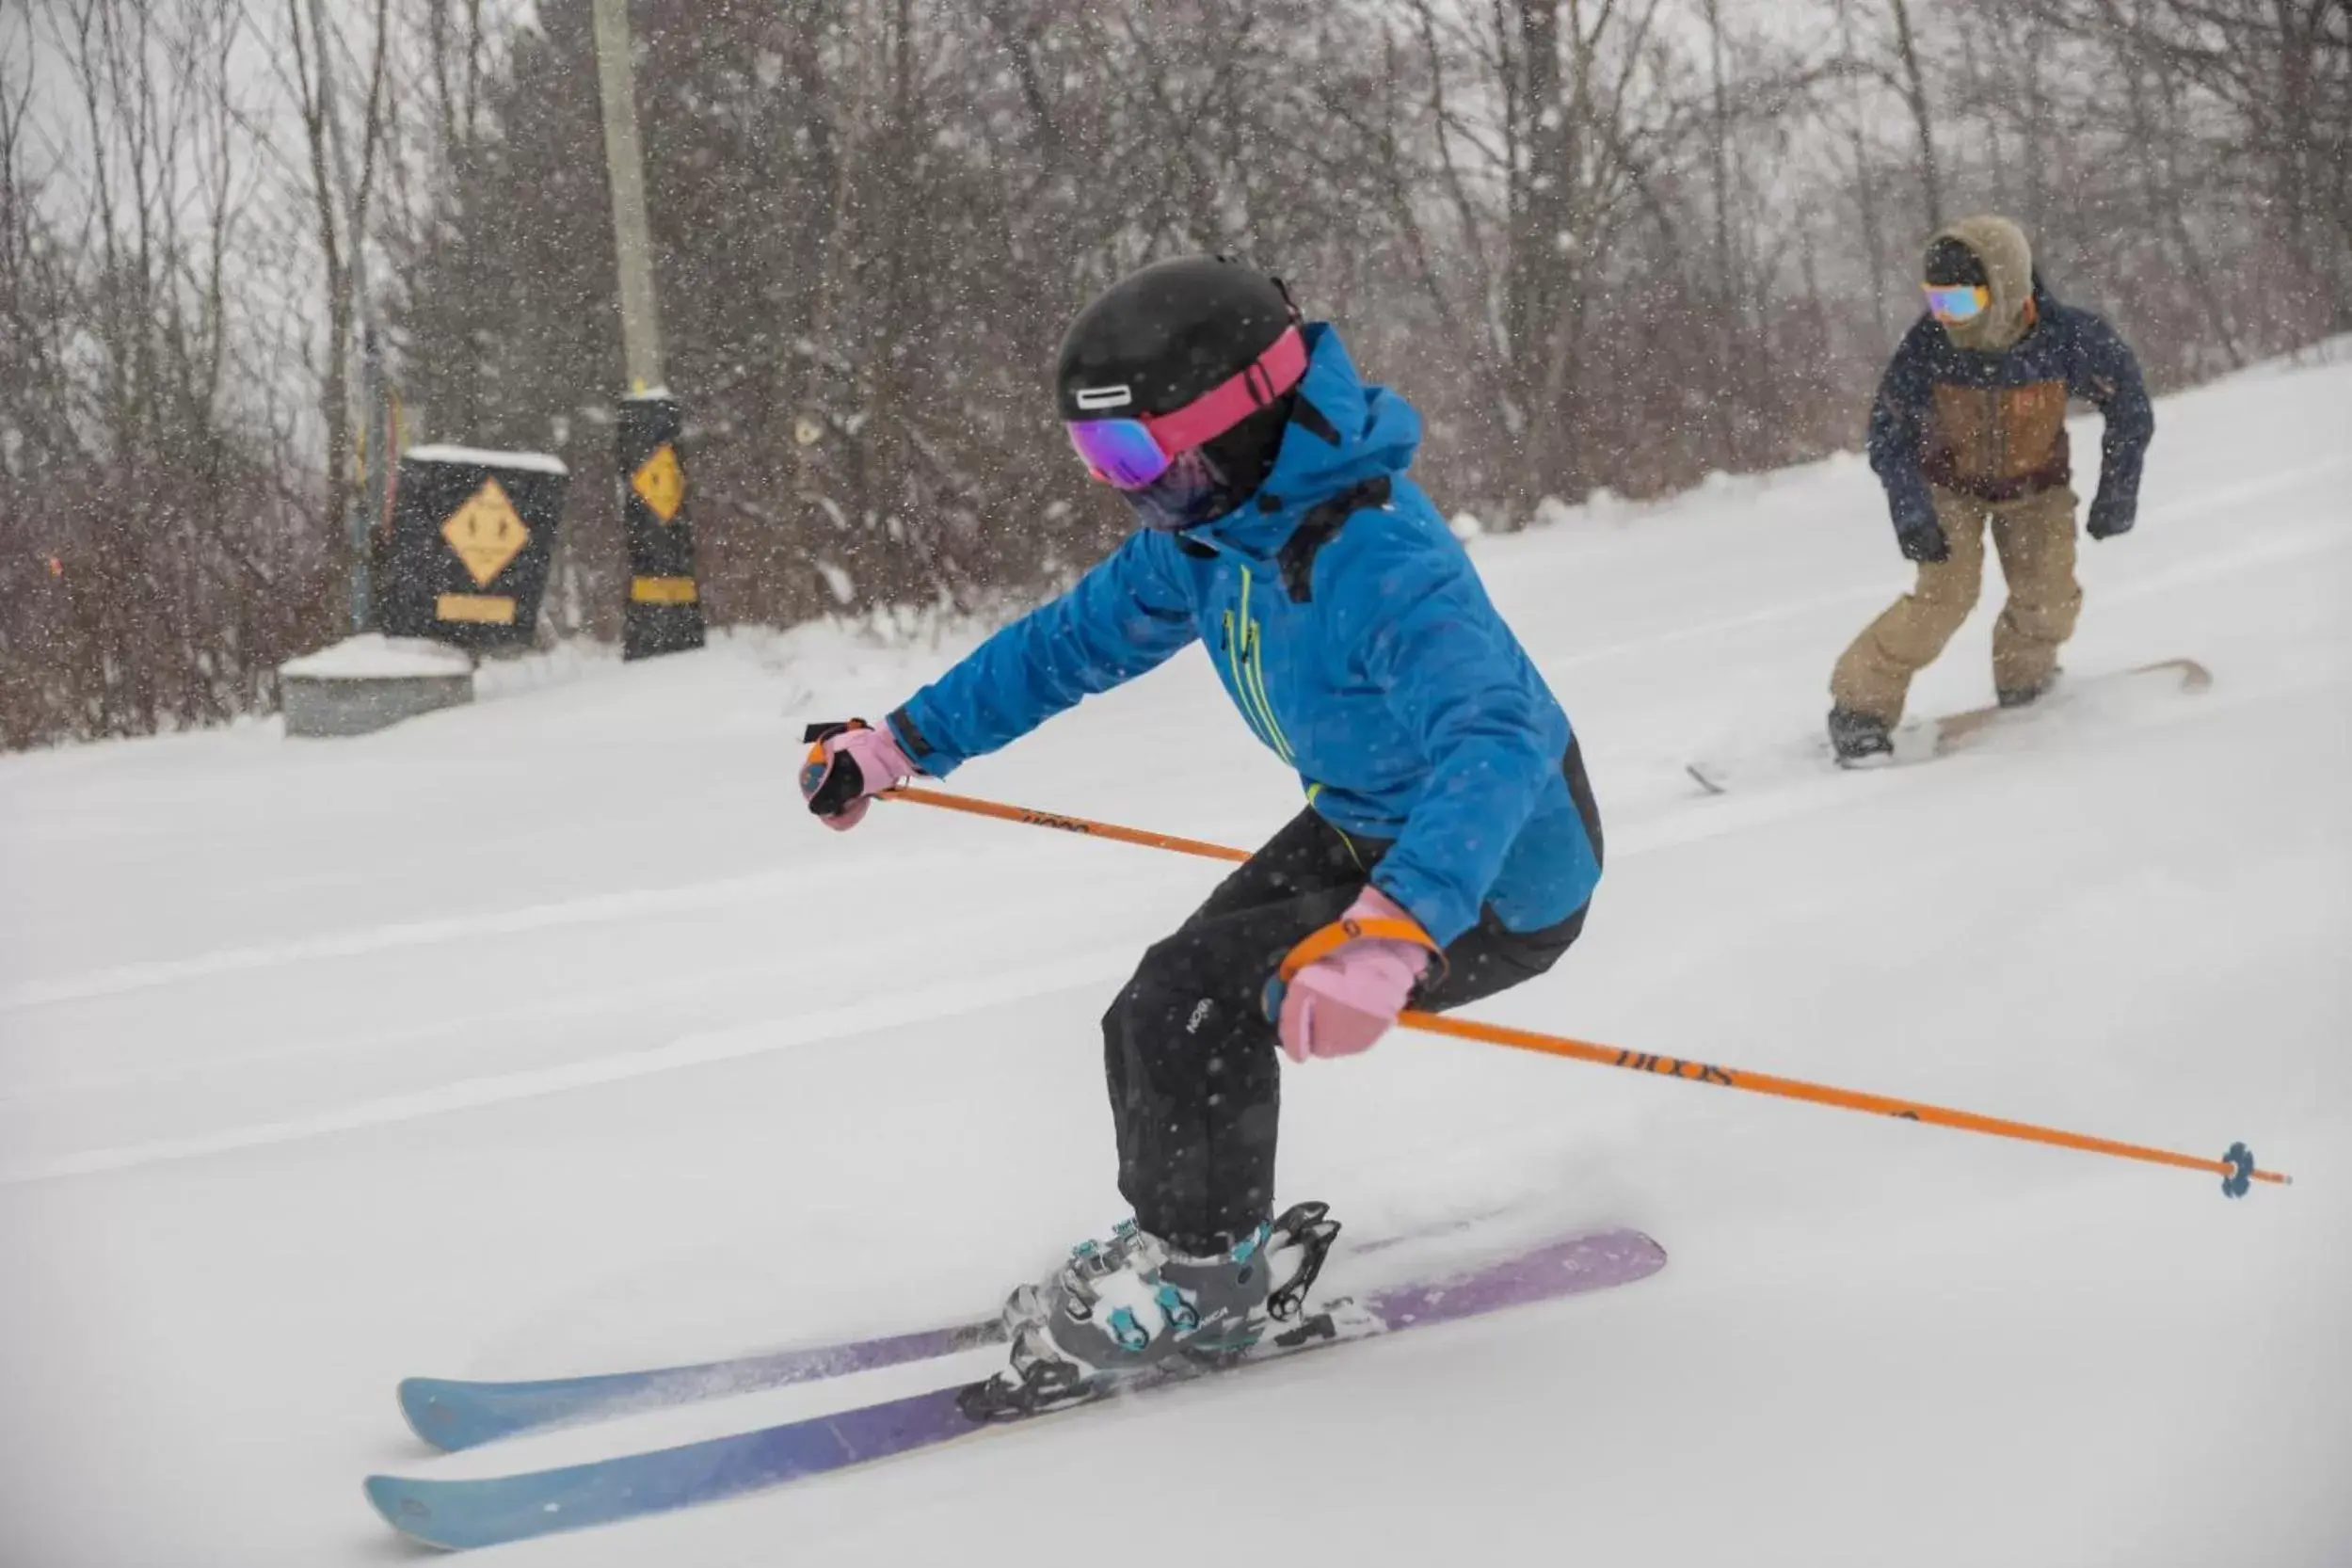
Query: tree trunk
[(1539, 213), (1915, 96)]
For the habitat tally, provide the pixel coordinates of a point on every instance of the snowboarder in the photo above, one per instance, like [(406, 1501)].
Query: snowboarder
[(1450, 843), (1968, 433)]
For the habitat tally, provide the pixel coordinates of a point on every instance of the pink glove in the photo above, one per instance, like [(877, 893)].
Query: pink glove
[(1344, 985), (848, 765)]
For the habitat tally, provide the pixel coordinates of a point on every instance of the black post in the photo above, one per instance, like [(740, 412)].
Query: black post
[(664, 614)]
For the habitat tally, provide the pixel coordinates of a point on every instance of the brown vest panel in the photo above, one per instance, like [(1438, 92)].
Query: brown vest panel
[(1999, 442)]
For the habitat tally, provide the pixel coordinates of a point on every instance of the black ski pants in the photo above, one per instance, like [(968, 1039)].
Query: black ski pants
[(1195, 1082)]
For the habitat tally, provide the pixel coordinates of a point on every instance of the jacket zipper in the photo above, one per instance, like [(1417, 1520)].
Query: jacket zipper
[(1245, 662)]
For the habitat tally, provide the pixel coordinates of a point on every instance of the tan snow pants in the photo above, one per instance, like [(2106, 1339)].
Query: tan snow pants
[(2035, 538)]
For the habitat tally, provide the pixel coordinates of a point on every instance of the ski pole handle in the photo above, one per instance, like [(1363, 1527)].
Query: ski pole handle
[(2237, 1168)]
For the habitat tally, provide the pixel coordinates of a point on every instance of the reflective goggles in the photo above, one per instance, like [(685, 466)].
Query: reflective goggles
[(1130, 454), (1961, 302)]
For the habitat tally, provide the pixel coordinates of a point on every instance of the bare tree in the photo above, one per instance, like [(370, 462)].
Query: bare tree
[(157, 572), (341, 200), (1597, 242), (2276, 75), (1896, 57)]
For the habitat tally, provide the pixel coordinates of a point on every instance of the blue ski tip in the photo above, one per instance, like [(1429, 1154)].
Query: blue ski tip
[(2241, 1163), (390, 1496), (454, 1416)]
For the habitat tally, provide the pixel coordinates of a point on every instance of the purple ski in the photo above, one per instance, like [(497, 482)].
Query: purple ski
[(453, 1414), (480, 1512)]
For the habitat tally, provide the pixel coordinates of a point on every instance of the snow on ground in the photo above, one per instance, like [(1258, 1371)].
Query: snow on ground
[(548, 1035)]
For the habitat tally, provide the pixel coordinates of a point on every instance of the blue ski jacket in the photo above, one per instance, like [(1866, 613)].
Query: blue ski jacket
[(1349, 627)]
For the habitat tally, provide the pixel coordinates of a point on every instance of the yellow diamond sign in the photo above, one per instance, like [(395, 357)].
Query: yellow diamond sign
[(660, 483), (486, 533)]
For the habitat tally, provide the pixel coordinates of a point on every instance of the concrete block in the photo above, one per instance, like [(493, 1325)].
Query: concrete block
[(370, 682)]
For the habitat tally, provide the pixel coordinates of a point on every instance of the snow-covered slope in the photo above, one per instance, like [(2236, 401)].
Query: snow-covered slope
[(549, 1035)]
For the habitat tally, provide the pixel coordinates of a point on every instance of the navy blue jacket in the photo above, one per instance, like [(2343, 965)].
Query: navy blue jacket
[(1352, 632), (1992, 425)]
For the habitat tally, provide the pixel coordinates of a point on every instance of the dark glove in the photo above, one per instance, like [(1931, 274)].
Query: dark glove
[(1917, 533), (2108, 517), (1925, 543)]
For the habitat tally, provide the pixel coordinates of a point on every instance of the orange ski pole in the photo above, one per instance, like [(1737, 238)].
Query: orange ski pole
[(1067, 824), (2237, 1168)]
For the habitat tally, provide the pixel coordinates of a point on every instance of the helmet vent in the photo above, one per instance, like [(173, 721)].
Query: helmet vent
[(1104, 397)]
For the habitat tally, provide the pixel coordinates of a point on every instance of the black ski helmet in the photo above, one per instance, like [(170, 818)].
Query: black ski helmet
[(1159, 338)]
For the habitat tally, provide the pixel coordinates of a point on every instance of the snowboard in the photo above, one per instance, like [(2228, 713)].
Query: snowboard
[(1923, 741), (456, 1514)]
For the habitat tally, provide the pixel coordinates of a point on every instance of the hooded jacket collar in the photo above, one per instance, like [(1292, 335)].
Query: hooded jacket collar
[(2009, 275), (1341, 434)]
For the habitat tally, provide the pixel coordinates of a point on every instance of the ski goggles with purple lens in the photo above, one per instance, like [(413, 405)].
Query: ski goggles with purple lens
[(1130, 454), (1960, 302)]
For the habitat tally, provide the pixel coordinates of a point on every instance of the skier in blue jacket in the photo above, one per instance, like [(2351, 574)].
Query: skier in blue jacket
[(1448, 848)]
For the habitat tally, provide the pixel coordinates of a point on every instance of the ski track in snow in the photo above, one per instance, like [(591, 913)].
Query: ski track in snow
[(546, 1036), (653, 902), (602, 908), (923, 1005), (755, 1035)]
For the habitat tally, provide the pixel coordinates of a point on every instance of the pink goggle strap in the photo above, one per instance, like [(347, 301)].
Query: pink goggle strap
[(1231, 401)]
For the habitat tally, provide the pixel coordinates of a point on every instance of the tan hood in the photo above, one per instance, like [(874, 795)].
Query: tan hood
[(2009, 268)]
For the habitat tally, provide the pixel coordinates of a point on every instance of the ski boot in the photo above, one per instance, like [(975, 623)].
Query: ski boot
[(1859, 738), (2026, 696), (1130, 1302)]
